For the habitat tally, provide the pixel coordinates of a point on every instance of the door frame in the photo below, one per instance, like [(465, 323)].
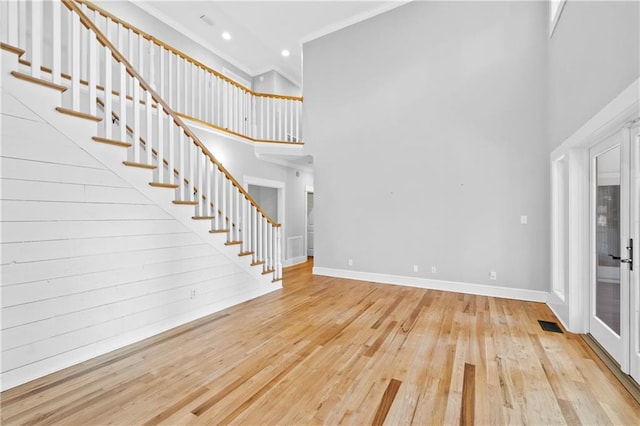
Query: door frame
[(307, 190), (280, 186), (570, 298)]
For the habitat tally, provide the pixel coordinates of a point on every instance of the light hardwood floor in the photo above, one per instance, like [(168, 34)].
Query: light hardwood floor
[(325, 350)]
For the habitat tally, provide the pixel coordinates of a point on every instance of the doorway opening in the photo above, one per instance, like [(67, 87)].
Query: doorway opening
[(310, 223)]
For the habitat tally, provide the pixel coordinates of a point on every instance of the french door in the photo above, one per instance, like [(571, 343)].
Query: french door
[(614, 319)]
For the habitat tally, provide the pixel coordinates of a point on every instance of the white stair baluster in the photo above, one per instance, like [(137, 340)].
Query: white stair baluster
[(246, 224), (136, 120), (280, 119), (75, 62), (223, 199), (216, 198), (181, 165), (162, 81), (22, 26), (191, 151), (279, 252), (170, 74), (151, 141), (56, 42), (122, 122), (36, 37), (202, 191), (160, 144), (12, 20), (236, 197), (171, 149), (108, 88), (298, 113), (141, 55), (253, 225), (92, 71)]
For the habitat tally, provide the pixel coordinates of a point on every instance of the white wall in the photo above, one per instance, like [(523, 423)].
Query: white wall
[(594, 55), (267, 198), (239, 157), (88, 263), (275, 83), (428, 129)]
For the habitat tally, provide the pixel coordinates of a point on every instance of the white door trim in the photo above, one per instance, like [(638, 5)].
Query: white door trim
[(575, 149), (280, 186)]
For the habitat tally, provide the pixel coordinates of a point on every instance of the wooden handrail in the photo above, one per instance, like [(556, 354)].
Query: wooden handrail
[(102, 39), (188, 58)]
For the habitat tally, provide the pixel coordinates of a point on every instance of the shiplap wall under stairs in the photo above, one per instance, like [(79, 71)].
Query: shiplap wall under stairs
[(94, 258)]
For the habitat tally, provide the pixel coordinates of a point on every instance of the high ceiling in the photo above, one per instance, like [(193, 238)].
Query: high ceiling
[(260, 30)]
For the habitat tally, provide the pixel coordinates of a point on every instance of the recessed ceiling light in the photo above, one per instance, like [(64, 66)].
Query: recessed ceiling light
[(226, 35), (285, 53), (207, 20)]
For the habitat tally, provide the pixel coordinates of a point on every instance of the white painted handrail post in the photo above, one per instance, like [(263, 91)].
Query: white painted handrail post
[(278, 252), (253, 225), (269, 230)]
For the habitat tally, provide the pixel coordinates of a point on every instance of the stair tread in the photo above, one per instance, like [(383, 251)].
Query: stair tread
[(232, 243), (139, 165), (13, 49), (245, 253), (111, 142), (78, 114), (41, 82), (185, 202), (203, 217), (219, 231), (163, 185)]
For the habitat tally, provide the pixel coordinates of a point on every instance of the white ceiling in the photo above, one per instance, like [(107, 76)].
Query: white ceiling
[(260, 30)]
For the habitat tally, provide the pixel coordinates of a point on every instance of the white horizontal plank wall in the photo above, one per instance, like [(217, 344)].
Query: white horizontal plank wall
[(89, 263)]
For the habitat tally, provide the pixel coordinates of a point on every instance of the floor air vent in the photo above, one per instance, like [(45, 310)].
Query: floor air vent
[(550, 326)]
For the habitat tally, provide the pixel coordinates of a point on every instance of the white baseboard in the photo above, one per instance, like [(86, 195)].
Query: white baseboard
[(458, 287), (294, 261)]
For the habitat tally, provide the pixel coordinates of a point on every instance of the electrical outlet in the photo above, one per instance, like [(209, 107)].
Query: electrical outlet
[(433, 270), (350, 262), (193, 294), (524, 220), (493, 275), (415, 268)]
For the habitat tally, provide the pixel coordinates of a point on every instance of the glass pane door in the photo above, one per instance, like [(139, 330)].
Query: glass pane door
[(607, 236), (609, 315)]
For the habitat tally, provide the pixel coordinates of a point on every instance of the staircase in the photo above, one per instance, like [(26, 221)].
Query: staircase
[(90, 93)]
